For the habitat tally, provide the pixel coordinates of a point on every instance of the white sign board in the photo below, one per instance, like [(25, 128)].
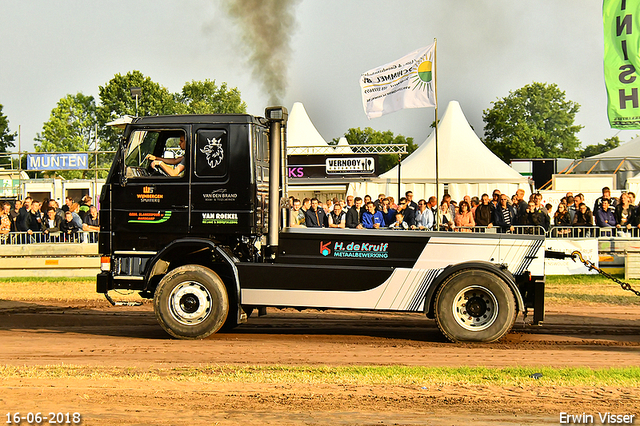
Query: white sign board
[(350, 165), (583, 182), (588, 248)]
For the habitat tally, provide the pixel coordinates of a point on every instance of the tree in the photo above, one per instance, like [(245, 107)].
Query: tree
[(116, 101), (609, 144), (205, 97), (196, 97), (71, 128), (368, 136), (71, 125), (6, 137), (535, 121)]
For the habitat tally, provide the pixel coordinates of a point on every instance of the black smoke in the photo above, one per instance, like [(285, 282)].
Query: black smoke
[(267, 27)]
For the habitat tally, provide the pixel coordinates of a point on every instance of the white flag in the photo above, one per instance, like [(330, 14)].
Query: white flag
[(405, 83)]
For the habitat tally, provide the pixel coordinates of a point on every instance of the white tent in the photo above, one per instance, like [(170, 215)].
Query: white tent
[(623, 161), (344, 146), (301, 133), (466, 165)]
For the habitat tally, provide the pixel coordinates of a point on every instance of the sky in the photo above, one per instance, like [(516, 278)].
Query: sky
[(485, 49)]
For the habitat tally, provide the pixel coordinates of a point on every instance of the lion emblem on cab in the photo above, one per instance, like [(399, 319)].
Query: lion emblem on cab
[(214, 152)]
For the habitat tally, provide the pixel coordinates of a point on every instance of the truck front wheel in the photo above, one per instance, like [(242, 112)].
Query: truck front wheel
[(475, 306), (191, 302)]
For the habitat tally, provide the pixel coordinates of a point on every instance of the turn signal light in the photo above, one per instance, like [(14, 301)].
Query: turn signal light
[(105, 263)]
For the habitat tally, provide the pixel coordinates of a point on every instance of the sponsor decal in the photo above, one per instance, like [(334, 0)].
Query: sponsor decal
[(220, 218), (324, 248), (214, 152), (350, 165), (353, 249), (149, 196), (220, 195), (149, 217)]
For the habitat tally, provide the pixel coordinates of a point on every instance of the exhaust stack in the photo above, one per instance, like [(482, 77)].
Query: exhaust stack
[(277, 117)]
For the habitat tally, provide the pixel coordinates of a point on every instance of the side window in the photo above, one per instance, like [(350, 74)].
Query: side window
[(160, 144), (262, 155), (212, 153), (172, 148)]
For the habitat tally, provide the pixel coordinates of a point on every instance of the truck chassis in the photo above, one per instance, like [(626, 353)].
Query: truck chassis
[(209, 248)]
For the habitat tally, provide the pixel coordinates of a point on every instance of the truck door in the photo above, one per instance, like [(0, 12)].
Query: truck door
[(151, 207), (220, 183)]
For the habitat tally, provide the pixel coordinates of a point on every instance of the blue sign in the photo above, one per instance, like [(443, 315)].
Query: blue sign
[(66, 161)]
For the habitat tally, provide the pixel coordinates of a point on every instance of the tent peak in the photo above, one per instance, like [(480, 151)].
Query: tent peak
[(461, 155), (301, 132)]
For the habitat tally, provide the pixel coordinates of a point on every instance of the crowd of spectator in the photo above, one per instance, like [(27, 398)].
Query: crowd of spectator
[(29, 220), (501, 212)]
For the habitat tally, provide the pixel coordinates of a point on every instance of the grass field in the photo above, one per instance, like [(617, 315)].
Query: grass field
[(560, 289), (57, 289), (584, 289), (361, 375), (589, 289)]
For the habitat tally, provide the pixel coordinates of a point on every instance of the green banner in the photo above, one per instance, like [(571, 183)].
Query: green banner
[(622, 62)]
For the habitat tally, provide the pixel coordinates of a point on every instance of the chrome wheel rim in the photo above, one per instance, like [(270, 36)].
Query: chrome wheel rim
[(190, 303), (475, 308)]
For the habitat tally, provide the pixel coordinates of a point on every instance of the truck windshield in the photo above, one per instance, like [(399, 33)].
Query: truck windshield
[(163, 144), (141, 144)]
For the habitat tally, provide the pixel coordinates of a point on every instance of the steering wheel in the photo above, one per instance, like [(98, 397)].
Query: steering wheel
[(159, 170)]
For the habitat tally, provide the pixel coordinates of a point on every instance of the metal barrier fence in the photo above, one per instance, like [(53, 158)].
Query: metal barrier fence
[(555, 232), (517, 230), (592, 232), (53, 237), (572, 232)]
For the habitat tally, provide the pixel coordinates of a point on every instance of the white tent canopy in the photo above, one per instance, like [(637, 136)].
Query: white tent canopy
[(466, 165), (346, 148), (624, 161), (300, 130)]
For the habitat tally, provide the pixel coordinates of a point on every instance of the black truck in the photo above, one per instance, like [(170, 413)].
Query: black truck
[(210, 245)]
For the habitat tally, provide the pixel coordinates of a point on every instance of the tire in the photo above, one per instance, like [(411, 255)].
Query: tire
[(191, 302), (474, 305), (232, 319)]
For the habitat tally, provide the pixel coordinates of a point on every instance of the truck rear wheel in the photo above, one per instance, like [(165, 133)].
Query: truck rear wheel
[(475, 306), (191, 302)]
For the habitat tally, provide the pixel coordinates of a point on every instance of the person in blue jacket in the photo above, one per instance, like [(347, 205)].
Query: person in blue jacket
[(372, 218), (605, 216)]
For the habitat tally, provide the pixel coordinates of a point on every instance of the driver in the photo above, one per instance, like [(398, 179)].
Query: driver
[(179, 163)]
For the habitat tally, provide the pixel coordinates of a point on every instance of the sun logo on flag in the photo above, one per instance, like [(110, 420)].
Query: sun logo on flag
[(424, 77), (424, 74)]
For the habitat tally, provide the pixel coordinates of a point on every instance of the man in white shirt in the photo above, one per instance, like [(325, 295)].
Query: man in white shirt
[(423, 217)]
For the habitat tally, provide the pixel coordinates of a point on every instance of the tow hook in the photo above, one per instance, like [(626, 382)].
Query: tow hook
[(114, 303)]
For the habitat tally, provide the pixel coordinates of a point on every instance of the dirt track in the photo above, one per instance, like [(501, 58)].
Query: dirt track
[(99, 335)]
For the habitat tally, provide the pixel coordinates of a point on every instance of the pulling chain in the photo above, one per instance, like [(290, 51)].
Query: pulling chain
[(591, 266)]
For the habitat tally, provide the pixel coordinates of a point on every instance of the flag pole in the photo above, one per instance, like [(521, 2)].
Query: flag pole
[(435, 83), (399, 176)]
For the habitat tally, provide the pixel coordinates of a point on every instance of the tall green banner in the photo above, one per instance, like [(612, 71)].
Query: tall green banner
[(622, 62)]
